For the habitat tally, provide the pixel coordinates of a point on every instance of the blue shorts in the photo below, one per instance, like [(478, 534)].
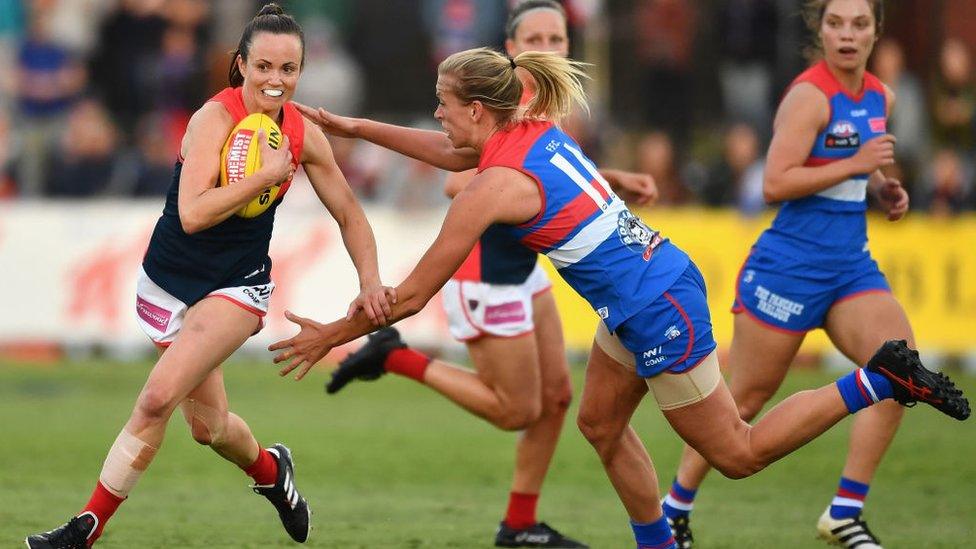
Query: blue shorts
[(792, 296), (674, 332)]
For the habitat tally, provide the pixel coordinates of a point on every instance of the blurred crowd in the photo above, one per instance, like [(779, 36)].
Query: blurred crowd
[(101, 90)]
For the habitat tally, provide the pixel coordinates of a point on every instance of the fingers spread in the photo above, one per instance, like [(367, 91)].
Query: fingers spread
[(283, 344)]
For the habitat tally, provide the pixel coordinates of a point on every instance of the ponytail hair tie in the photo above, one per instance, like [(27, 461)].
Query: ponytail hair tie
[(512, 61)]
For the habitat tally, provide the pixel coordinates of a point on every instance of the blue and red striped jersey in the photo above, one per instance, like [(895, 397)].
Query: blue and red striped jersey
[(829, 227), (602, 250)]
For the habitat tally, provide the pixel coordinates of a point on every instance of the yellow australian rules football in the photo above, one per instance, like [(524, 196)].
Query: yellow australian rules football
[(241, 157)]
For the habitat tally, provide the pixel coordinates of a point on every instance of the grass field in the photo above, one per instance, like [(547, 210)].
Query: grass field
[(392, 465)]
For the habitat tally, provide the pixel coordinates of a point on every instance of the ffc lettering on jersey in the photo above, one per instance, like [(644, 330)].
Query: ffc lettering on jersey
[(842, 135)]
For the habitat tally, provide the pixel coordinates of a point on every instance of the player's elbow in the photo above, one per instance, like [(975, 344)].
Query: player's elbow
[(190, 223), (771, 189)]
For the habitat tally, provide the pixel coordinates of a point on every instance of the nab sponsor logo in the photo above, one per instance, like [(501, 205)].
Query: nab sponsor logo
[(553, 145), (653, 352), (842, 135), (655, 356), (878, 125)]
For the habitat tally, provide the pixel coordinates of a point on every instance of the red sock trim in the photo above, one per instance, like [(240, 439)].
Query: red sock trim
[(103, 505), (521, 510), (264, 470), (408, 363)]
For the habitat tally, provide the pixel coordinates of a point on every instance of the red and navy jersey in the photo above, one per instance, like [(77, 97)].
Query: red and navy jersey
[(829, 228), (604, 252), (497, 258), (232, 253)]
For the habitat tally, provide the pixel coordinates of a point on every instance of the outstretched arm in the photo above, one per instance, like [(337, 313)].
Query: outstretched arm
[(428, 146), (498, 195), (357, 235)]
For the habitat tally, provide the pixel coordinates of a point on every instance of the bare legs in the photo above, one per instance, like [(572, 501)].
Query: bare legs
[(760, 358)]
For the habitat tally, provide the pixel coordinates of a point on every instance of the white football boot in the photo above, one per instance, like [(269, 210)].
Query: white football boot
[(846, 532)]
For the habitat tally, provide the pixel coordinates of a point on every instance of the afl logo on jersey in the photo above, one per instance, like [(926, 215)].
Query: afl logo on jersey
[(636, 235), (842, 135)]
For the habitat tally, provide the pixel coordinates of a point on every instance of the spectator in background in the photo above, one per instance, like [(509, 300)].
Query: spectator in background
[(85, 164), (665, 31), (908, 122), (390, 44), (331, 77), (948, 185), (457, 25), (954, 97), (74, 23), (151, 164), (48, 79), (656, 156), (747, 32), (8, 187), (123, 67), (12, 21), (737, 177), (179, 72)]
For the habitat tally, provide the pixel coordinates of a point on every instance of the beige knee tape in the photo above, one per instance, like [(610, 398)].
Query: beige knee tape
[(670, 390), (200, 415), (125, 463)]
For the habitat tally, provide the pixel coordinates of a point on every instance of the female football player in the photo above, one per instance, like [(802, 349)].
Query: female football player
[(812, 268), (534, 181), (500, 305), (205, 284)]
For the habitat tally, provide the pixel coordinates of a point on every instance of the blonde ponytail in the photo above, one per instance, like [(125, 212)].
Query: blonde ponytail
[(487, 76)]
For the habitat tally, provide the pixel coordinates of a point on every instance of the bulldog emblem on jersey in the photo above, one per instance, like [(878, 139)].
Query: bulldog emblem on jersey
[(636, 235)]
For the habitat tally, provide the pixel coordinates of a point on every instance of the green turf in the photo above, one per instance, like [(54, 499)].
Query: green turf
[(393, 465)]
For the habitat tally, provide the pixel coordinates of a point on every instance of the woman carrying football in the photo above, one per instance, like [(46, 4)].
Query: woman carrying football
[(206, 281), (655, 334), (812, 268)]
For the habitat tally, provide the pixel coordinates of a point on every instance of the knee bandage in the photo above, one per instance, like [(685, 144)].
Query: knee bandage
[(206, 422), (125, 463)]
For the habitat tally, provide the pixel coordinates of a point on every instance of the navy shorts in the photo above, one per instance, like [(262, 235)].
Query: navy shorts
[(791, 296), (674, 332)]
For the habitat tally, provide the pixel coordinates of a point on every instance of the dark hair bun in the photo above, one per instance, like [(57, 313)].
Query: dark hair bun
[(271, 9)]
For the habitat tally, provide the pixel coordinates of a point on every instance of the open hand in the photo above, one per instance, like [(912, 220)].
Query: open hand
[(332, 124), (304, 349)]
